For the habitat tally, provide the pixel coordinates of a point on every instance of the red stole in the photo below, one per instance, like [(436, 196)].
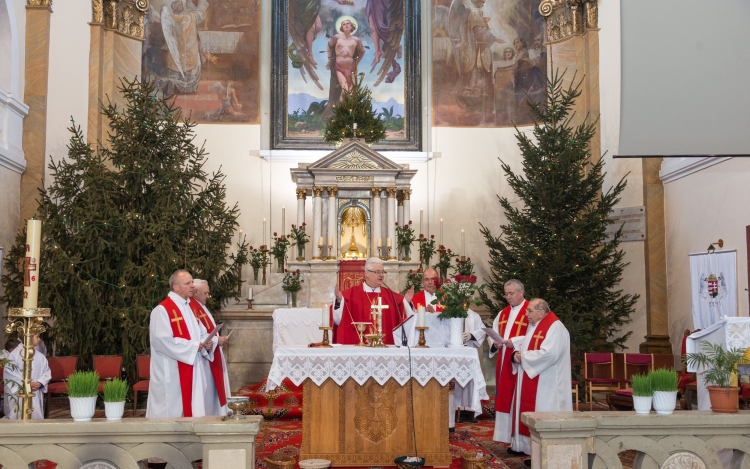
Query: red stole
[(505, 381), (528, 385), (180, 330), (217, 369), (357, 307), (419, 300)]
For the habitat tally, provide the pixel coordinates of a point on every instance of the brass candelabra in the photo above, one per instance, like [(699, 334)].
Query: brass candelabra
[(264, 250)]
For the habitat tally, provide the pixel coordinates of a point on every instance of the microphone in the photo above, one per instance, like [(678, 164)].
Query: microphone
[(404, 342)]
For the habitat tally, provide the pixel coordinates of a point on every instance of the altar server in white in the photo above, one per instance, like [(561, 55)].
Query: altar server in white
[(215, 367), (13, 374), (542, 364), (177, 386)]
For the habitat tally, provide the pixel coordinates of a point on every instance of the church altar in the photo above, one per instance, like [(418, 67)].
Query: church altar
[(357, 400)]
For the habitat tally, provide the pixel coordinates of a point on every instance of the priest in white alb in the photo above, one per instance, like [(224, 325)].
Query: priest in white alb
[(13, 374), (542, 366), (176, 386)]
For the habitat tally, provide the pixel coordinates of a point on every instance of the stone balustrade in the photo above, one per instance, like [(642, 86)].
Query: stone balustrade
[(683, 440), (125, 444)]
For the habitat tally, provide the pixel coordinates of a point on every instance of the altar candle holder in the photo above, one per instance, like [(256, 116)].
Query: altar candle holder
[(28, 322), (249, 304), (422, 341), (264, 250), (320, 256), (325, 343)]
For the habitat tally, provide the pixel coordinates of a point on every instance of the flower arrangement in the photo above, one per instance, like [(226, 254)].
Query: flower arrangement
[(279, 249), (456, 295), (300, 239), (404, 239), (465, 268), (292, 283), (444, 261), (414, 279), (426, 248), (257, 261)]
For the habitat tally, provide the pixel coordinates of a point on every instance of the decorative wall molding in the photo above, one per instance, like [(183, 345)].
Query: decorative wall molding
[(566, 18), (310, 156), (123, 16), (676, 168), (39, 4), (12, 112)]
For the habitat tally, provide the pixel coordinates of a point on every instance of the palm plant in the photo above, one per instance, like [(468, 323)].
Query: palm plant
[(718, 364)]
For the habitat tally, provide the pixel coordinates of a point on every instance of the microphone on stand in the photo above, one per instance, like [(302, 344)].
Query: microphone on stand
[(404, 342)]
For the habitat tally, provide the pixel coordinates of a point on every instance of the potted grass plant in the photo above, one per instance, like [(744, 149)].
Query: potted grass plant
[(115, 392), (642, 394), (717, 366), (82, 392), (664, 387)]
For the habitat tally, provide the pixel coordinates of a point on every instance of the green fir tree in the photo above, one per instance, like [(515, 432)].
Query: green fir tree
[(355, 106), (554, 238), (118, 221)]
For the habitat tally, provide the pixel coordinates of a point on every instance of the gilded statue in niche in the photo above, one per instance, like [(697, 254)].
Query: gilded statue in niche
[(488, 57), (207, 54)]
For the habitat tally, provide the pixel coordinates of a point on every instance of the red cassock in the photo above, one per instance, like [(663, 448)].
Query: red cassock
[(358, 308), (419, 300)]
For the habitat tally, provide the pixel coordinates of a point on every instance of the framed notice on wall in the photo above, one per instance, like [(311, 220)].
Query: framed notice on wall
[(713, 282)]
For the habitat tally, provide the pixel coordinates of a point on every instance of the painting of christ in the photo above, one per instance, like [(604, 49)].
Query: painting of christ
[(206, 53)]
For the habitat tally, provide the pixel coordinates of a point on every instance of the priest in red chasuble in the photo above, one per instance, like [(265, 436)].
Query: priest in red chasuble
[(430, 284), (355, 305), (542, 367)]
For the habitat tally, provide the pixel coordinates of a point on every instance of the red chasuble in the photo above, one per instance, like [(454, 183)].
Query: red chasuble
[(180, 330), (357, 308), (217, 368), (419, 300), (528, 385), (505, 380)]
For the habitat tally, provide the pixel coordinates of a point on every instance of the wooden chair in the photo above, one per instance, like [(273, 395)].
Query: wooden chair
[(60, 369), (637, 359), (599, 384), (575, 393), (108, 367), (144, 375)]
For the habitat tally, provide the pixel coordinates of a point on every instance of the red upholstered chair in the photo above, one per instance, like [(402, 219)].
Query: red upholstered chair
[(144, 375), (60, 369), (639, 360), (108, 367), (608, 383)]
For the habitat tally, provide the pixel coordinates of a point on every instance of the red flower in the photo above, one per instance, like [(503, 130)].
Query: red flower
[(304, 224), (419, 270), (421, 235), (292, 225), (459, 277), (473, 279), (274, 233), (396, 223), (287, 236), (410, 271), (297, 270), (286, 270), (410, 222), (255, 250), (458, 260), (468, 258), (447, 281), (251, 248), (432, 236)]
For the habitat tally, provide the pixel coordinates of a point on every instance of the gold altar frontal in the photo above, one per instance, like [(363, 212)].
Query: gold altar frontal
[(371, 425)]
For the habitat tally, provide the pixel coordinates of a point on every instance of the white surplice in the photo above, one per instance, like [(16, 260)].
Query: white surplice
[(216, 353), (164, 393), (551, 363), (40, 372), (502, 420)]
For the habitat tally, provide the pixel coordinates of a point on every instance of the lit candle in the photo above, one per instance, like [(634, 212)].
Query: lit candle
[(264, 232), (249, 293), (283, 221), (320, 241), (421, 219), (31, 266), (380, 242), (388, 242), (421, 319), (441, 232), (326, 316), (463, 243), (239, 237)]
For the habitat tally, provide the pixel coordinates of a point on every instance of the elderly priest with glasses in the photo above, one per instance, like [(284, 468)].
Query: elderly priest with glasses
[(356, 305)]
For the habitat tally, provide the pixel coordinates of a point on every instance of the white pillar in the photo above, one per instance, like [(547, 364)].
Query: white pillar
[(376, 231), (317, 220), (391, 194), (333, 250), (324, 227), (407, 206)]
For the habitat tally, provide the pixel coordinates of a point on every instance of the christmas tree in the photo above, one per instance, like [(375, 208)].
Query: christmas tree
[(554, 238), (355, 110), (118, 221)]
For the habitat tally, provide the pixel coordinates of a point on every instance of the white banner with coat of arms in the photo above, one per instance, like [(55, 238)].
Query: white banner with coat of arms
[(713, 278)]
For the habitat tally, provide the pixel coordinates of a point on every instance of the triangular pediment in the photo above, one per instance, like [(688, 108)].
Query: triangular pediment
[(354, 154)]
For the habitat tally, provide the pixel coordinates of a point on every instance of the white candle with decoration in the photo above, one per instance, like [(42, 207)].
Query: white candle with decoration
[(463, 243), (421, 319), (31, 263), (264, 232), (326, 317), (283, 221)]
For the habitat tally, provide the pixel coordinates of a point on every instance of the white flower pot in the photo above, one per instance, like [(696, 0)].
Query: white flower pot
[(457, 328), (114, 410), (665, 402), (642, 404), (82, 408)]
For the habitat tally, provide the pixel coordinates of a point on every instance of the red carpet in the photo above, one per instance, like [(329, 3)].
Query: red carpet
[(283, 402)]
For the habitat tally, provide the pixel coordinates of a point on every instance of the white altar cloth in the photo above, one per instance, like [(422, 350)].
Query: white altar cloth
[(296, 326), (342, 362)]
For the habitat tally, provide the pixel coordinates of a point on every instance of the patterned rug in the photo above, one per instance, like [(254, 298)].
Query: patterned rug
[(283, 402)]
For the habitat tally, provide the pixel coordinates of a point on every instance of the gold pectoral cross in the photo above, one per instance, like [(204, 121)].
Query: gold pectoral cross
[(177, 318)]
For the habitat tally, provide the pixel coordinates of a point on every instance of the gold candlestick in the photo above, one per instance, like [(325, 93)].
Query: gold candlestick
[(320, 256), (29, 324), (325, 343), (264, 250), (422, 342), (249, 304)]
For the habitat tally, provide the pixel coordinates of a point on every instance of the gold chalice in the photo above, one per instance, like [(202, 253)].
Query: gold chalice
[(237, 404), (361, 328)]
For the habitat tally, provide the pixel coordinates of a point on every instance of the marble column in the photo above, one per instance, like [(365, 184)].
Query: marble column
[(333, 251), (407, 206), (324, 227), (391, 194), (376, 227), (301, 194), (317, 220), (34, 136), (400, 208)]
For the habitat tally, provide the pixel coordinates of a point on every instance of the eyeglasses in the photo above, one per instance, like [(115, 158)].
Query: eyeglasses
[(430, 279), (377, 272)]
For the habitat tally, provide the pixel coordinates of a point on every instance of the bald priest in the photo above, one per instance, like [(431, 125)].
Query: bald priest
[(355, 305)]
